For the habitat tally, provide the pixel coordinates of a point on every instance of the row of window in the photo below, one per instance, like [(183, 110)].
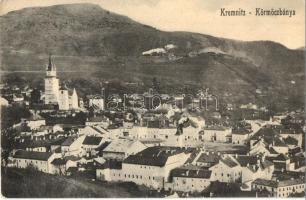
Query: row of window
[(134, 176), (202, 186), (292, 187), (228, 175), (31, 161), (201, 180)]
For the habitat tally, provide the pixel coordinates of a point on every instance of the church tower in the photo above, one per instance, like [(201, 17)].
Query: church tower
[(51, 84)]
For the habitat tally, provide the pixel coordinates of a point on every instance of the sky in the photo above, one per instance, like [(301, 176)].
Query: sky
[(201, 16)]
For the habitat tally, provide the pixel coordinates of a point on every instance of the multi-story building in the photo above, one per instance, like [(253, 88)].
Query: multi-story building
[(279, 188), (190, 180), (150, 167), (39, 160)]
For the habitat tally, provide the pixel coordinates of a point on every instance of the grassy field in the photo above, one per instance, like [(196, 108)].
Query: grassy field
[(31, 184)]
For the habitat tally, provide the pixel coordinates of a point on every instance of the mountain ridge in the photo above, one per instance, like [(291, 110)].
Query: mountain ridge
[(88, 37)]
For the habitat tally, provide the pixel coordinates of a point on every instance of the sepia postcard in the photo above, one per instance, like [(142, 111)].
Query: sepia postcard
[(152, 98)]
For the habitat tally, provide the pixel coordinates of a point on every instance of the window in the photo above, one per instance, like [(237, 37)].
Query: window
[(221, 174), (150, 177), (153, 177)]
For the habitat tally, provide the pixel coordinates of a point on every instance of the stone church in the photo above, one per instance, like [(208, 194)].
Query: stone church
[(54, 94)]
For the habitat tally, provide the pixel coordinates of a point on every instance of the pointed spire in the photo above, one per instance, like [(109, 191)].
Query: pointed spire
[(74, 92), (49, 68)]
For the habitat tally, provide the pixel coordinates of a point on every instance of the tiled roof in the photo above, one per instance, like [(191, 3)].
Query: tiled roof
[(102, 146), (91, 140), (265, 182), (112, 164), (188, 173), (244, 160), (275, 184), (59, 161), (119, 145), (266, 163), (153, 156), (97, 119), (290, 141), (39, 143), (229, 162), (281, 157), (241, 131), (209, 158), (32, 155), (69, 141)]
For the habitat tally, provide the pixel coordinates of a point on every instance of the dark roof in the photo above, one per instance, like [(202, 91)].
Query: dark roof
[(281, 157), (229, 162), (57, 150), (153, 156), (209, 158), (91, 140), (97, 119), (244, 160), (189, 173), (265, 182), (32, 155), (59, 161), (112, 164), (275, 184), (290, 141), (72, 169), (68, 141), (241, 131), (39, 143), (102, 146), (58, 141)]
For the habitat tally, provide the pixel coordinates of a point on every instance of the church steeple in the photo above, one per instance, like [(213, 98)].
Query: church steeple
[(50, 66), (51, 70)]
